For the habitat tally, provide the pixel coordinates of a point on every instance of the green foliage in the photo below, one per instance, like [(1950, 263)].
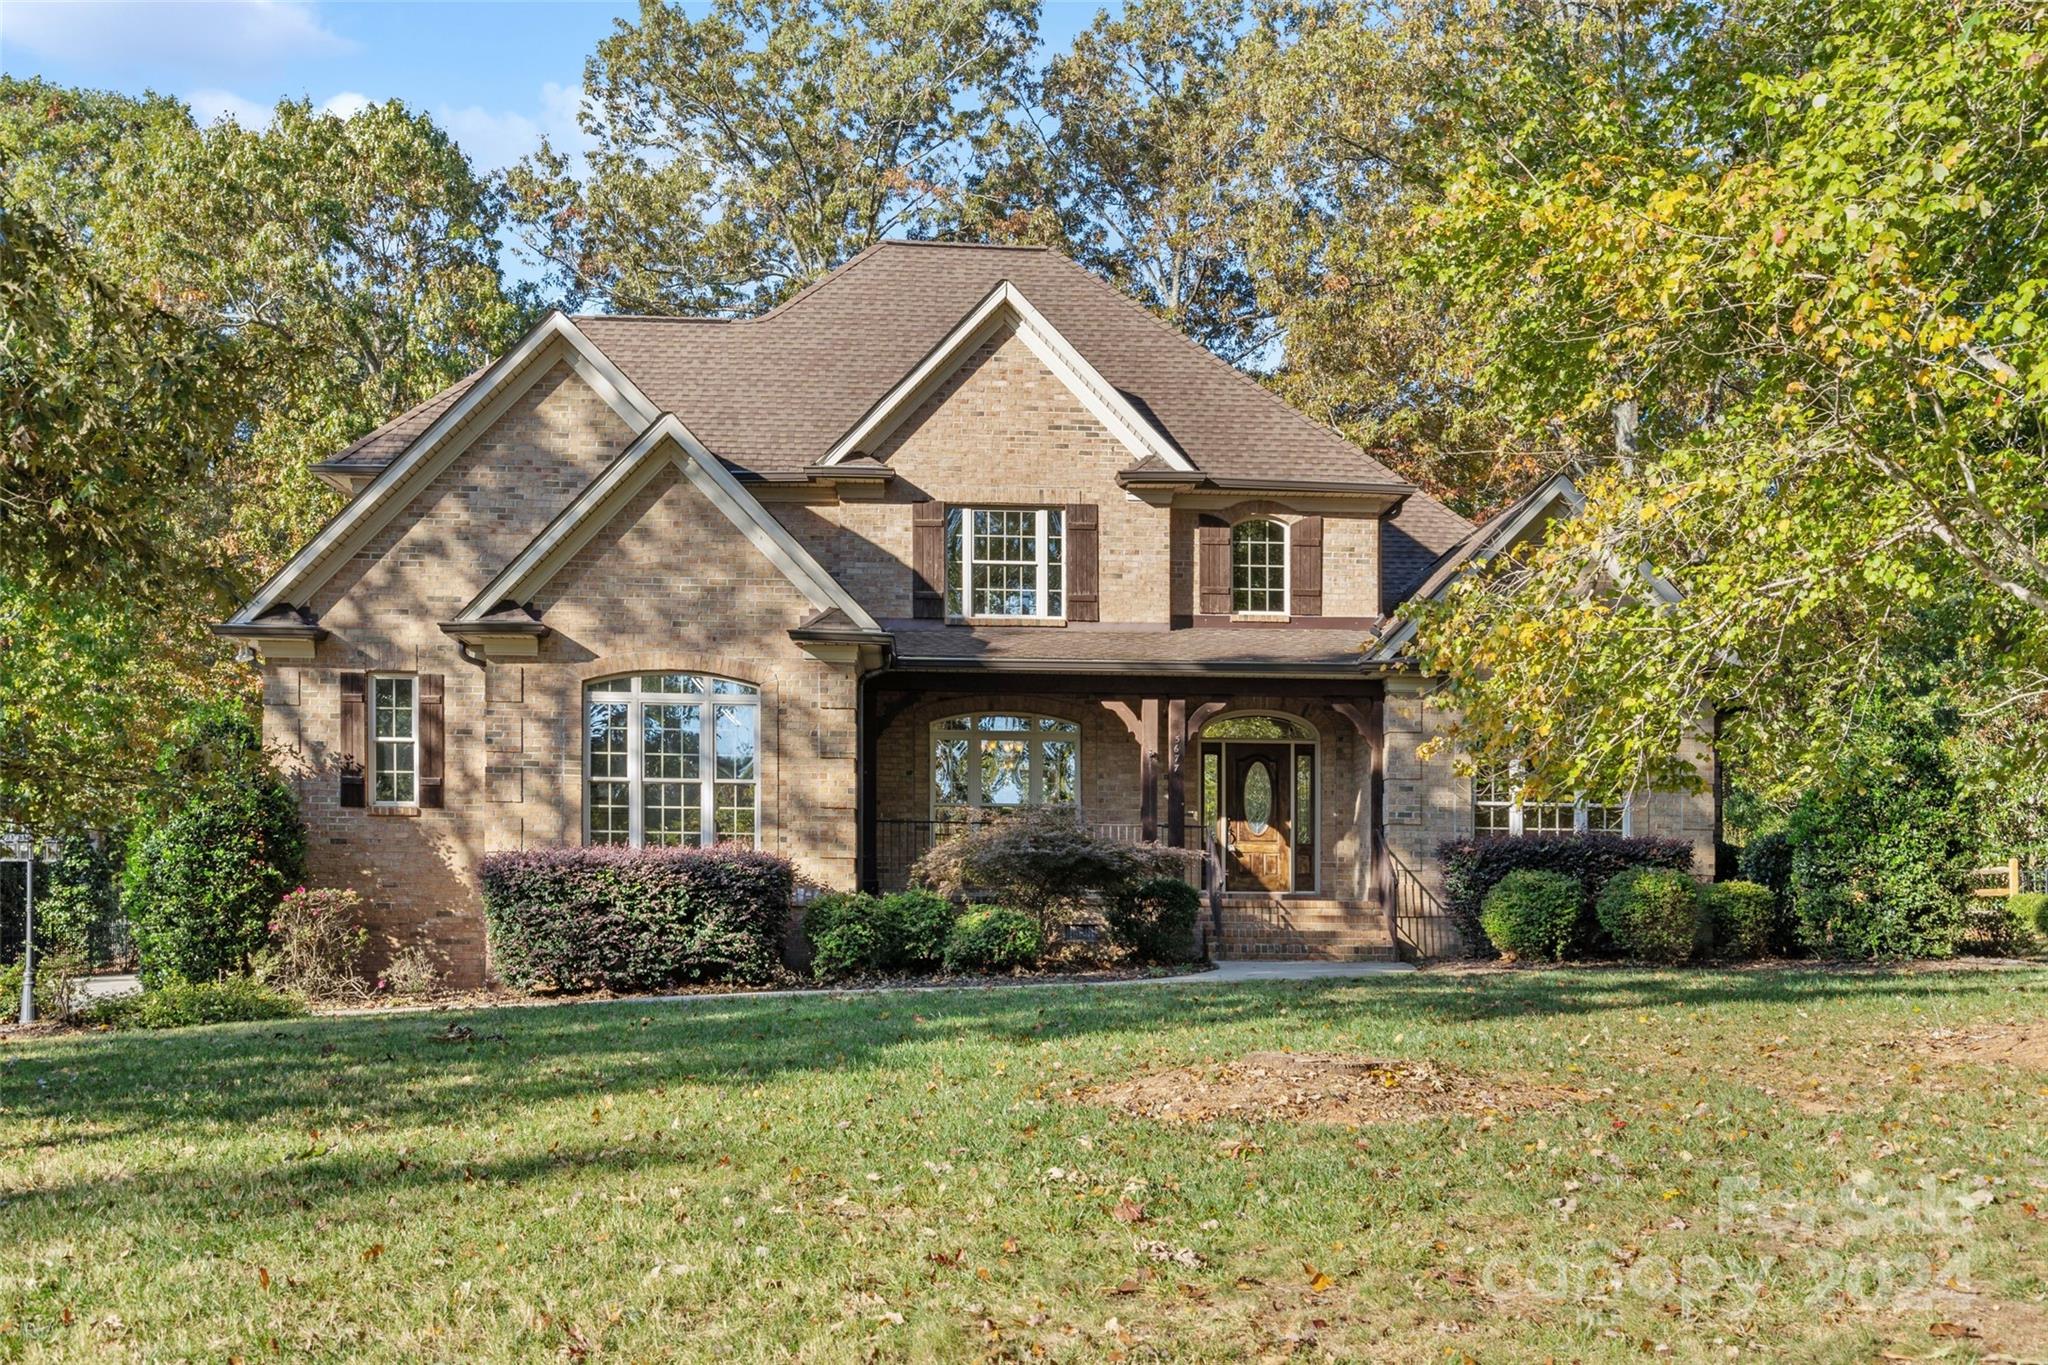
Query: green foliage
[(993, 939), (1744, 917), (852, 932), (1472, 867), (1652, 914), (1040, 859), (1878, 858), (1531, 913), (2030, 910), (744, 152), (1797, 259), (184, 1004), (210, 863), (77, 904), (58, 972), (1767, 861), (1155, 919)]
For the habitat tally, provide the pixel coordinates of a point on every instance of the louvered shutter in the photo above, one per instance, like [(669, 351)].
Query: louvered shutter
[(432, 745), (1305, 567), (355, 729), (1212, 566), (1083, 552), (928, 561)]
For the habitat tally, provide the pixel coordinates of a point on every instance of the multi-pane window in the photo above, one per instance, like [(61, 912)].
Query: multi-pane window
[(1258, 567), (995, 762), (395, 728), (1005, 562), (1501, 811), (672, 758)]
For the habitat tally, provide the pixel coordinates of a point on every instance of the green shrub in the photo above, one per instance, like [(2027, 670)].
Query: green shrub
[(1880, 855), (58, 974), (1767, 861), (1155, 919), (209, 864), (182, 1004), (918, 922), (77, 905), (993, 939), (2030, 908), (1744, 918), (1532, 913), (635, 919), (1473, 867), (1652, 913), (852, 932), (1043, 860)]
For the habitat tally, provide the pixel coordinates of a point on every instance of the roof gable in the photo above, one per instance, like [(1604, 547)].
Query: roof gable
[(666, 442), (1006, 306), (553, 339)]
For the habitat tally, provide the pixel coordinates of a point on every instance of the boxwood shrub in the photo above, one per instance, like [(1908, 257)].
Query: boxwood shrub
[(628, 919), (851, 932), (1652, 913), (2030, 908), (1473, 867), (993, 939), (1532, 913), (1744, 918), (1155, 919)]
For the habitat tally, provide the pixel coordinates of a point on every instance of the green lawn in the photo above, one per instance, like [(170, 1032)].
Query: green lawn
[(1775, 1162)]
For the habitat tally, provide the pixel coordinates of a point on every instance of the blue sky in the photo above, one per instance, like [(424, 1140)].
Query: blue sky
[(496, 75)]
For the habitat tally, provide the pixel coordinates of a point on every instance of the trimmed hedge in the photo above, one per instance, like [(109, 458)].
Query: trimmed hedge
[(993, 940), (851, 932), (628, 919), (1473, 867), (1652, 914), (1744, 916), (1155, 919), (1532, 913), (2030, 908)]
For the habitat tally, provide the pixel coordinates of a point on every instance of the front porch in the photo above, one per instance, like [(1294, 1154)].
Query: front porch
[(1272, 781)]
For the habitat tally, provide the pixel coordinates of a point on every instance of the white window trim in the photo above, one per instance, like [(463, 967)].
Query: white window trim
[(1040, 535), (1286, 611), (962, 727), (1579, 805), (412, 681), (707, 755)]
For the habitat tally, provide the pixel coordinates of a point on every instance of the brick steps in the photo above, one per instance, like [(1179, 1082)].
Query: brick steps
[(1300, 930)]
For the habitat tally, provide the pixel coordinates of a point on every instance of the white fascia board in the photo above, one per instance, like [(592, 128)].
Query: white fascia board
[(1007, 303), (666, 442), (509, 377)]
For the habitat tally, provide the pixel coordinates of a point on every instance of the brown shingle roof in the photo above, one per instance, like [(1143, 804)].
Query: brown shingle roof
[(388, 442), (1225, 648), (770, 395)]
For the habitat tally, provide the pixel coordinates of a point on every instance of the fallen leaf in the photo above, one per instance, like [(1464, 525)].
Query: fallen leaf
[(1129, 1211)]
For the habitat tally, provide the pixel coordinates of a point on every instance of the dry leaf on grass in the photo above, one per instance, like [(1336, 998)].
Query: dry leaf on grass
[(1313, 1087)]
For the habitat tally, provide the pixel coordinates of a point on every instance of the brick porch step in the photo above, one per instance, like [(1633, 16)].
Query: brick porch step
[(1228, 949)]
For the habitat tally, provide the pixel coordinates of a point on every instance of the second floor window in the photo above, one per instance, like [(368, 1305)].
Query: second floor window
[(395, 761), (1005, 562), (1258, 568)]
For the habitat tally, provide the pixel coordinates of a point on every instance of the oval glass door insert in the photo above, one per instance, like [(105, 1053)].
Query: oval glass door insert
[(1258, 797)]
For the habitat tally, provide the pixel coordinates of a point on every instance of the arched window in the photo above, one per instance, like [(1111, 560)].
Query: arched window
[(671, 758), (1258, 568), (996, 762)]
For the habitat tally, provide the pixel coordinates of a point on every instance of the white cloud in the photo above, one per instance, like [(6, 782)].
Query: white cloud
[(495, 139), (217, 35), (210, 105)]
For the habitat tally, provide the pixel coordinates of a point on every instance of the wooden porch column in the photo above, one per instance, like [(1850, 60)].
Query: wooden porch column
[(1370, 722), (1176, 771), (867, 874), (1142, 721)]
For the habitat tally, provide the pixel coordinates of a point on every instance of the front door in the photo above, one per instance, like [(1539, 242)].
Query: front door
[(1257, 799)]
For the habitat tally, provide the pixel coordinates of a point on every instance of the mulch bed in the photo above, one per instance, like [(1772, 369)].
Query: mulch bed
[(1317, 1087)]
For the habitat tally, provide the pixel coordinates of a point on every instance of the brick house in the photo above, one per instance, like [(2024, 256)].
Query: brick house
[(954, 529)]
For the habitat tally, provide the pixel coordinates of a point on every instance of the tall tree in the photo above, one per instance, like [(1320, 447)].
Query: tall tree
[(1816, 274), (741, 154)]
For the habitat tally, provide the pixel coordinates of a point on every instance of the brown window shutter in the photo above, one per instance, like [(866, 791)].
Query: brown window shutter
[(1305, 567), (1083, 552), (928, 561), (355, 728), (1212, 566), (431, 744)]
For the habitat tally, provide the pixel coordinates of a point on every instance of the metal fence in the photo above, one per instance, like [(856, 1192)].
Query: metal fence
[(1423, 923)]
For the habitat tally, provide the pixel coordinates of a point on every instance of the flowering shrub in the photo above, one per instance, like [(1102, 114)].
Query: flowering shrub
[(317, 939), (635, 919)]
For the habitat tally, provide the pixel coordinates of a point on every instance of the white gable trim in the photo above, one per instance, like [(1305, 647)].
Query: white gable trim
[(667, 442), (1006, 304), (555, 338)]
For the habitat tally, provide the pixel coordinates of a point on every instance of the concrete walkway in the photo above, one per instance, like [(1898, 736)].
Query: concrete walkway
[(1228, 972)]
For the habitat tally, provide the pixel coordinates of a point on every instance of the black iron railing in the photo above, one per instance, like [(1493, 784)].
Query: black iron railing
[(1423, 925)]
